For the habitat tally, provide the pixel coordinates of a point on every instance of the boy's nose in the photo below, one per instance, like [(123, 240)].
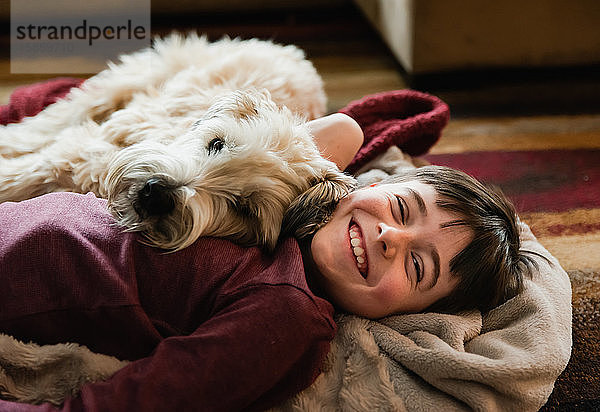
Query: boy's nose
[(392, 238)]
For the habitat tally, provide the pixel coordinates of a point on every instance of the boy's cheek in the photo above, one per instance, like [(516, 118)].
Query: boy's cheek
[(391, 296)]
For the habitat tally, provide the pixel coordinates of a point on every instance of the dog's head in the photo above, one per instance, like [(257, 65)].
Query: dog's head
[(233, 175)]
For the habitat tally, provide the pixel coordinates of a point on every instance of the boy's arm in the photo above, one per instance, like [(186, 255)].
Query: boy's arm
[(264, 346), (338, 137)]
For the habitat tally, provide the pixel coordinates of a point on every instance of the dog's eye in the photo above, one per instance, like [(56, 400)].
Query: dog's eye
[(215, 145)]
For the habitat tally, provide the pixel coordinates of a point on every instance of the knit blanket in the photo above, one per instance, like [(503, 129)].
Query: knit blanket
[(506, 359)]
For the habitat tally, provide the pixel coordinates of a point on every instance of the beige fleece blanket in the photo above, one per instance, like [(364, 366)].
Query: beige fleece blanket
[(507, 359)]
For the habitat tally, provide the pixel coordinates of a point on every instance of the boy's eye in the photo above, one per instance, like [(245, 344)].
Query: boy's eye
[(418, 269), (401, 209)]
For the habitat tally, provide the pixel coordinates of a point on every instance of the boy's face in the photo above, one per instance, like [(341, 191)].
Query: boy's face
[(384, 250)]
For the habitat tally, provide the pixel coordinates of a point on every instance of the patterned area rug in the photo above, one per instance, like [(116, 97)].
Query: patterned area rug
[(557, 192)]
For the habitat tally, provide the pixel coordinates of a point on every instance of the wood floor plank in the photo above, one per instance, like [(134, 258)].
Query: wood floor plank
[(520, 133)]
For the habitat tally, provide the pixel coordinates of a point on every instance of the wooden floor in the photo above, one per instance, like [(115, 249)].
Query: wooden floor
[(490, 110)]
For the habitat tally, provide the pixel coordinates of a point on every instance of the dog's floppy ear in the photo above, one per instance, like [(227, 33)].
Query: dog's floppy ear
[(262, 216), (245, 105), (240, 104), (313, 208)]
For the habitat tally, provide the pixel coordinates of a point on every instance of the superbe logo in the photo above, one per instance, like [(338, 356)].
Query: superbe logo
[(81, 32)]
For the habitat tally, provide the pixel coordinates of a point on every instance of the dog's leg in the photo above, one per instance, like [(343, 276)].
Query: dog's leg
[(101, 95), (113, 88), (93, 102), (97, 98), (79, 107), (70, 164), (139, 73), (20, 139), (30, 175)]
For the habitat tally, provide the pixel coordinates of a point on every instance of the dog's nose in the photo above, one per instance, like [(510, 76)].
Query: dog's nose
[(156, 198)]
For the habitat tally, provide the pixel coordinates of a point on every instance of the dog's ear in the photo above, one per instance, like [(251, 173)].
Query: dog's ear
[(262, 216), (312, 209), (245, 105), (240, 104)]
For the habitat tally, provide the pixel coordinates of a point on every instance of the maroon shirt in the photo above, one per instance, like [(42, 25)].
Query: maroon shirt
[(212, 327)]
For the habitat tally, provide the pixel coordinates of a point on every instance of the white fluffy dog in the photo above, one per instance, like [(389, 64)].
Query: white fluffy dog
[(186, 139)]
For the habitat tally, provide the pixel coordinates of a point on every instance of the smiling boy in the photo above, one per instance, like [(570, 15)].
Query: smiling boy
[(387, 249)]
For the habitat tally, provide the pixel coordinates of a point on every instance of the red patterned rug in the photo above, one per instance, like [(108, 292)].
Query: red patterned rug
[(536, 181)]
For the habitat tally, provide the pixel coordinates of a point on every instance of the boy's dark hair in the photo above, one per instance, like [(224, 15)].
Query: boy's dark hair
[(491, 267)]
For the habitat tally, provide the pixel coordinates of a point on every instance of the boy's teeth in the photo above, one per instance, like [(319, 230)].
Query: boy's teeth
[(358, 251)]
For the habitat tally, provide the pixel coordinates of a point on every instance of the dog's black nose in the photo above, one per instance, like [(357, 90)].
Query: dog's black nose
[(156, 198)]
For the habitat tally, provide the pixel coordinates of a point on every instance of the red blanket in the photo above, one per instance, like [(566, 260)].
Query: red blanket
[(30, 100), (409, 119)]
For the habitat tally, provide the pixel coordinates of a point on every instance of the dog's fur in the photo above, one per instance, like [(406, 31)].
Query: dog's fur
[(186, 139)]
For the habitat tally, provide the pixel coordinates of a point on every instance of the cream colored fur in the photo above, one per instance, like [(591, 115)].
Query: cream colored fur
[(155, 117)]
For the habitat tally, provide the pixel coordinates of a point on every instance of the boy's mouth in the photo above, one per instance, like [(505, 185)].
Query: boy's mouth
[(358, 249)]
